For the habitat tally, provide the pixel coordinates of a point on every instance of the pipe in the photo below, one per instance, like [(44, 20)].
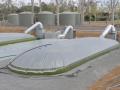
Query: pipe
[(37, 24), (62, 36), (109, 28)]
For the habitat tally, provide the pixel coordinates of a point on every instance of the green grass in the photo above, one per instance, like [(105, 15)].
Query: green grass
[(16, 41)]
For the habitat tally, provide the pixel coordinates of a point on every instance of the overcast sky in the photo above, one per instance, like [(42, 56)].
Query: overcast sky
[(17, 2), (28, 1)]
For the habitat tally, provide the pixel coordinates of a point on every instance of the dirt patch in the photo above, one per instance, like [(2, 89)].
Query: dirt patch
[(79, 33), (7, 29), (111, 81), (88, 34), (14, 29)]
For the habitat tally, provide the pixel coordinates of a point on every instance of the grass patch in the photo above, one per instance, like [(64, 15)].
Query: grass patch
[(16, 41)]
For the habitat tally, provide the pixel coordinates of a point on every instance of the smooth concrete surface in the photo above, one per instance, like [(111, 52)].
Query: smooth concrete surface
[(12, 50), (55, 55), (13, 36), (18, 48), (85, 76)]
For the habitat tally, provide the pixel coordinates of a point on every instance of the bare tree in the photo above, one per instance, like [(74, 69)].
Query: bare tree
[(82, 10), (21, 3), (112, 4), (113, 7), (57, 11), (92, 8), (2, 10), (6, 8), (8, 4), (40, 6), (32, 3)]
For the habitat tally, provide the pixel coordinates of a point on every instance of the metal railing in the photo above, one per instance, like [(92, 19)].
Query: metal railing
[(67, 34), (109, 29)]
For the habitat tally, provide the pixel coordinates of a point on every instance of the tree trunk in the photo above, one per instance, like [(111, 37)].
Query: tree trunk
[(112, 11), (40, 6), (57, 12), (82, 2), (113, 16), (113, 7), (32, 3), (89, 9)]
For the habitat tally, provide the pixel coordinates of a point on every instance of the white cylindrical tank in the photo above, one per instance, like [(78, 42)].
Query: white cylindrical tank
[(70, 18), (47, 18), (13, 19), (26, 19), (67, 18), (78, 19)]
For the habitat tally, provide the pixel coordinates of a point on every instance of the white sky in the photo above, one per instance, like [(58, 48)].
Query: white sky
[(28, 1), (17, 2)]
